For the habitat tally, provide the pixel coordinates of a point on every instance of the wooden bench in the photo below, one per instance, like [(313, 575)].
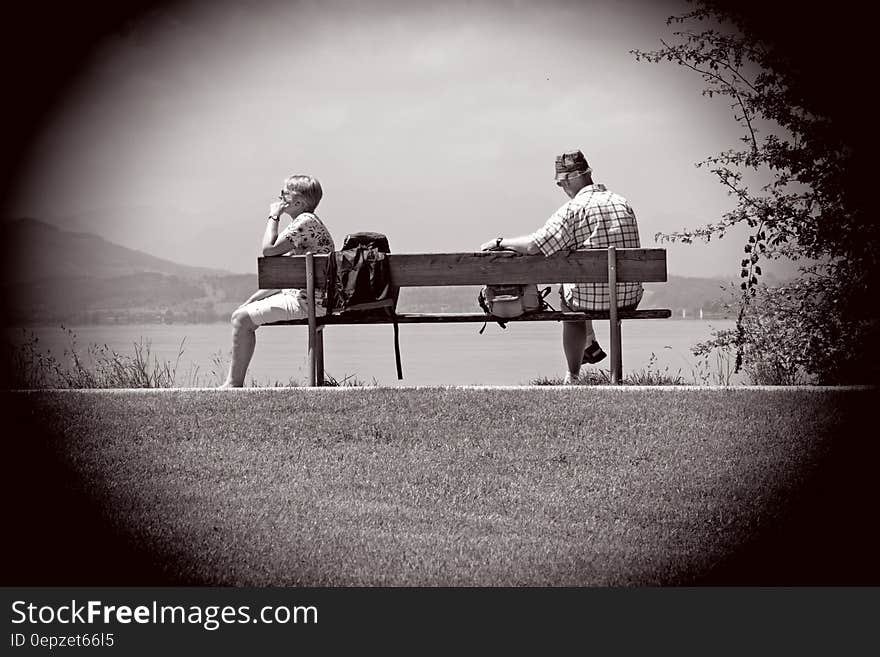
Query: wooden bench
[(482, 268)]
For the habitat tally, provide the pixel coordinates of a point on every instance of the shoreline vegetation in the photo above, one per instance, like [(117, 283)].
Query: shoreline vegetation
[(26, 366)]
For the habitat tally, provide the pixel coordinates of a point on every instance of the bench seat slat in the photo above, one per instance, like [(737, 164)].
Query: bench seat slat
[(482, 268), (443, 318)]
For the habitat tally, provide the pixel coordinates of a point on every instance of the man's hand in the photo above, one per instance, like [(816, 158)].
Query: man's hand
[(523, 245)]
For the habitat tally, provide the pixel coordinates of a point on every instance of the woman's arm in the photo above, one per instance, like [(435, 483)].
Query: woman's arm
[(270, 236), (260, 294)]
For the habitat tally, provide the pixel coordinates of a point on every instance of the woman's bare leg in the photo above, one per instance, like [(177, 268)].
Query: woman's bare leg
[(244, 339)]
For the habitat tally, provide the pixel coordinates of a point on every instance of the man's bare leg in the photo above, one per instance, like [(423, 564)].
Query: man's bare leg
[(244, 339), (574, 341), (594, 352)]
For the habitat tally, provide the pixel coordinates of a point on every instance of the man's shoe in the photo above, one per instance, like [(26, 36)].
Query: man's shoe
[(593, 353)]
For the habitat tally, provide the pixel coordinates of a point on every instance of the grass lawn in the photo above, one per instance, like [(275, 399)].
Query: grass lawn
[(549, 486)]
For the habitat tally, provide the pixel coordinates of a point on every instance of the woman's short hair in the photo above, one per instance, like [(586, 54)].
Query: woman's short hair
[(309, 188)]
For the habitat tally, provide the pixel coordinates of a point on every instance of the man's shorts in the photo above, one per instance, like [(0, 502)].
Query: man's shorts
[(280, 307), (566, 307)]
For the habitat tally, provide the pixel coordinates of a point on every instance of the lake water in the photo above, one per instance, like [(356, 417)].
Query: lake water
[(449, 354)]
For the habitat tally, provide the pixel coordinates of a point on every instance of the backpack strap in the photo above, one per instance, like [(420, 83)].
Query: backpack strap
[(369, 305), (543, 295), (392, 309), (397, 350), (481, 299), (330, 283)]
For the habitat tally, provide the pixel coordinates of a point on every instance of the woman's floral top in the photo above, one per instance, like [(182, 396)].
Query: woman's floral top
[(306, 233)]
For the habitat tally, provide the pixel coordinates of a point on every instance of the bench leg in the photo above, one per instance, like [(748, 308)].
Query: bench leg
[(316, 356), (313, 320), (616, 355), (616, 359), (312, 357), (319, 356)]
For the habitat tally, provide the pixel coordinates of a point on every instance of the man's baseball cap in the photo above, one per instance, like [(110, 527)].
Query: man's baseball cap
[(571, 164)]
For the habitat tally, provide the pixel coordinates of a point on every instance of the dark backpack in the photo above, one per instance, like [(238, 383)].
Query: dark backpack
[(359, 282)]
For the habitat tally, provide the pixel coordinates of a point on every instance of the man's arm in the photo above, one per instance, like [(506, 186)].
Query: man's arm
[(523, 244), (555, 235)]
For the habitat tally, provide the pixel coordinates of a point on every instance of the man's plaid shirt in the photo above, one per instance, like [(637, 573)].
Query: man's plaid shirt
[(594, 219)]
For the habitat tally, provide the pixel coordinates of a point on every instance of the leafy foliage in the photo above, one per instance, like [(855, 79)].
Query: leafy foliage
[(774, 346), (792, 183)]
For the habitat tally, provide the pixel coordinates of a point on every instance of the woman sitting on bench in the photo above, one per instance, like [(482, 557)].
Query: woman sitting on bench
[(299, 197)]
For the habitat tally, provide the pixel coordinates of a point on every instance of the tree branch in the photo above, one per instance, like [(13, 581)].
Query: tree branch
[(731, 88)]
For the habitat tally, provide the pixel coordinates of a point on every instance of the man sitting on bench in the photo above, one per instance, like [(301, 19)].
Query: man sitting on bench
[(594, 218)]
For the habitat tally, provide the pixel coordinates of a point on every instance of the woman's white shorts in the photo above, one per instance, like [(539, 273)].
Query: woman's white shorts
[(280, 307)]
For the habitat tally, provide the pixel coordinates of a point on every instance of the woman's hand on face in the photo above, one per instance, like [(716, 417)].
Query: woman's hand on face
[(276, 208)]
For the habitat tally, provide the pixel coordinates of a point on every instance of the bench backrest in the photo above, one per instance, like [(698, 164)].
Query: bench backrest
[(482, 268)]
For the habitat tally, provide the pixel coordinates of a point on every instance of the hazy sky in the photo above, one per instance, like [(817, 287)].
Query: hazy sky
[(435, 123)]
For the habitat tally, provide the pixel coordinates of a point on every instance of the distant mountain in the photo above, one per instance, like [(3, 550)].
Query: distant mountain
[(37, 251), (53, 275), (199, 237)]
